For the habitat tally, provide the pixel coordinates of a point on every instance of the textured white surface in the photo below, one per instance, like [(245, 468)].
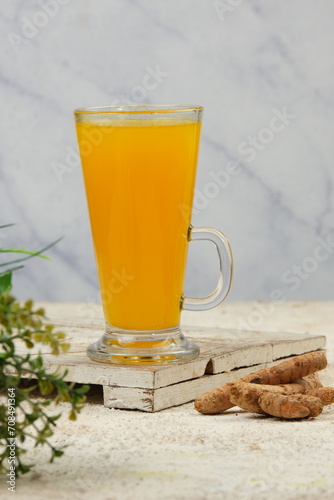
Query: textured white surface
[(257, 57), (179, 454)]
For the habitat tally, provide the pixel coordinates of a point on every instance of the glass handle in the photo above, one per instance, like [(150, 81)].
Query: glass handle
[(225, 269)]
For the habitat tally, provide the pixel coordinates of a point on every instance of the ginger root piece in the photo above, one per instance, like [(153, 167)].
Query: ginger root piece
[(309, 382), (325, 394), (215, 401), (290, 406), (291, 370), (246, 394), (218, 400)]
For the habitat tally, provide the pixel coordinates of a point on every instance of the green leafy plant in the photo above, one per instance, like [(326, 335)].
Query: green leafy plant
[(23, 416)]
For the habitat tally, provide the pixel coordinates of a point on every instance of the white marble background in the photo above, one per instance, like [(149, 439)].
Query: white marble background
[(246, 62)]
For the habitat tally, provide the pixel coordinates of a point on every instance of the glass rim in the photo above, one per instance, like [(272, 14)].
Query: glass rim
[(136, 109)]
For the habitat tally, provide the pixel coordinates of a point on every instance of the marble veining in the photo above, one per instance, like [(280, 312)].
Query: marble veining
[(245, 62)]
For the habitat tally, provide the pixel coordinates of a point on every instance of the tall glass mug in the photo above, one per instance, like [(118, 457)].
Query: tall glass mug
[(139, 166)]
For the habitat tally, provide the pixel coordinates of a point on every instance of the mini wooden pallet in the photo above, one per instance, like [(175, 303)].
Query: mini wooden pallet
[(225, 356)]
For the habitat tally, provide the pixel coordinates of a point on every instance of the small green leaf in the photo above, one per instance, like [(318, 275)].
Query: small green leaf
[(28, 343), (31, 417), (40, 312), (45, 386), (5, 282), (28, 304), (72, 415), (47, 402), (23, 468), (56, 453), (65, 347)]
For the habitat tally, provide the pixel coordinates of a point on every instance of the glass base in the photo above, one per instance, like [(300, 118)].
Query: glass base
[(142, 347)]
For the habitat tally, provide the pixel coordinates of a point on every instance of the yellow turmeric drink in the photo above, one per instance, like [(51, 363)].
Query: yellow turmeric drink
[(139, 177)]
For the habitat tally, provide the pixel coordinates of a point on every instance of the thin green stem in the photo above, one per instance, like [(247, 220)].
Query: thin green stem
[(34, 254)]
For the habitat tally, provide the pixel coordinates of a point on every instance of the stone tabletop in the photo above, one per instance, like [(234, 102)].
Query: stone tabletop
[(180, 454)]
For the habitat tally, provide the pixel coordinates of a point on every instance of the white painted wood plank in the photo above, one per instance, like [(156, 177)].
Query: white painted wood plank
[(241, 355), (298, 346), (129, 398)]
